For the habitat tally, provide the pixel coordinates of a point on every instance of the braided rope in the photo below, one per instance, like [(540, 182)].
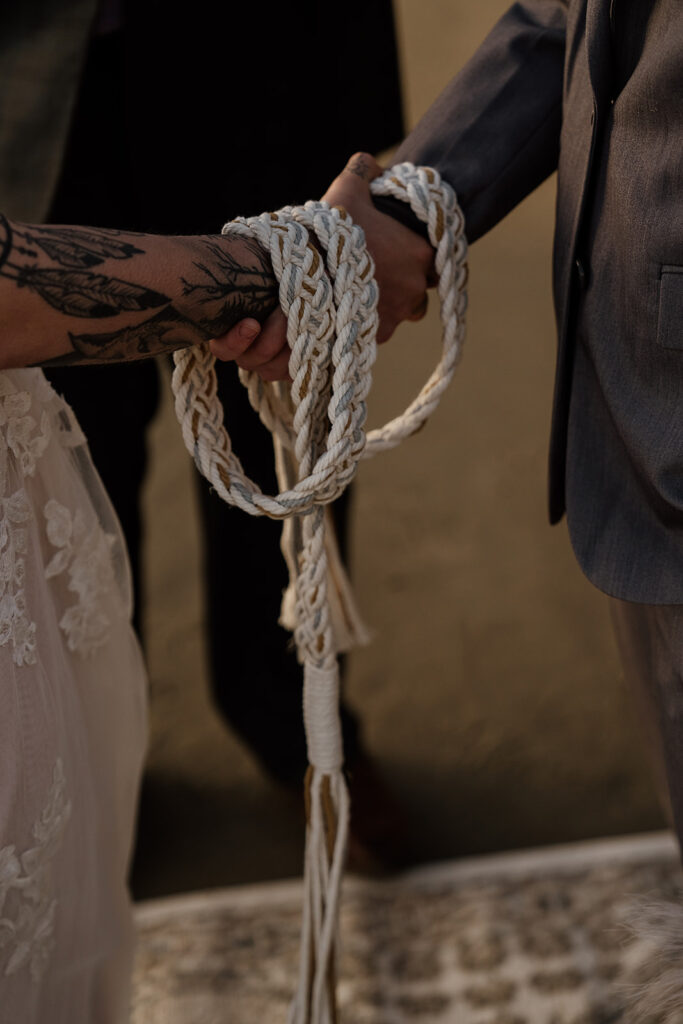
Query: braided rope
[(433, 201), (318, 427)]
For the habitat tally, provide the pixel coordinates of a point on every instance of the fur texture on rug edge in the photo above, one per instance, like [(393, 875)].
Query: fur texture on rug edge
[(653, 990)]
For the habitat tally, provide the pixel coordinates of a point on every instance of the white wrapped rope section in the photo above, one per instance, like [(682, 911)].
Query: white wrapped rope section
[(318, 429)]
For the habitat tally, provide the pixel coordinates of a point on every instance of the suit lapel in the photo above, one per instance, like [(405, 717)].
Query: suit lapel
[(599, 46)]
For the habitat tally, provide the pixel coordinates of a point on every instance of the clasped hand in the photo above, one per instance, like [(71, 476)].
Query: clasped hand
[(404, 269)]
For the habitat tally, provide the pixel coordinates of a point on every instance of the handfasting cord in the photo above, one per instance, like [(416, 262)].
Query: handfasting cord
[(318, 430)]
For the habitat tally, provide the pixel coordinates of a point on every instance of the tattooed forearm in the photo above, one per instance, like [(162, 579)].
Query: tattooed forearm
[(167, 331), (164, 332), (75, 248), (77, 293), (173, 292), (73, 288)]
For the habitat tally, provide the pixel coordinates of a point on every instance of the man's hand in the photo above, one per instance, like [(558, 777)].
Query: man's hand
[(404, 271)]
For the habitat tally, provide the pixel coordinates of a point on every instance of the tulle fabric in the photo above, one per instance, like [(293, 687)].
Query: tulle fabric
[(72, 721)]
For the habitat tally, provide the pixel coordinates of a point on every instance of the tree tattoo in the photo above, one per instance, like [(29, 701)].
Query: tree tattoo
[(228, 290), (68, 268)]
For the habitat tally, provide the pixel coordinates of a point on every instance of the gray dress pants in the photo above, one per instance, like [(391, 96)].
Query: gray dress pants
[(650, 641)]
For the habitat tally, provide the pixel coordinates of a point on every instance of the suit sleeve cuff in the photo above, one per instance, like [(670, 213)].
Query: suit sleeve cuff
[(401, 212)]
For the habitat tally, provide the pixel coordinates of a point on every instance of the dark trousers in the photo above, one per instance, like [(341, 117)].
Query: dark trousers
[(650, 642), (256, 681)]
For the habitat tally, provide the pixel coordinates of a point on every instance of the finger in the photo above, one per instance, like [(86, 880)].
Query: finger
[(387, 326), (276, 369), (236, 341), (270, 342), (420, 310)]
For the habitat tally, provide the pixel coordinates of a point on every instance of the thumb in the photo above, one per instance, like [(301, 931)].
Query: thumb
[(364, 166), (353, 184)]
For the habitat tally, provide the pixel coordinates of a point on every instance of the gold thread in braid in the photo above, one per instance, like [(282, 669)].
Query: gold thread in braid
[(440, 225), (189, 367), (224, 475), (195, 424)]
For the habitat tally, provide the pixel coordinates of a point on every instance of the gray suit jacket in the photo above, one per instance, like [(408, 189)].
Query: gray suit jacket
[(594, 88)]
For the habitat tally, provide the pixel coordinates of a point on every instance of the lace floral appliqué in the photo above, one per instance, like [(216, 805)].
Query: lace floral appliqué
[(86, 557), (24, 439), (27, 906), (19, 431), (15, 626)]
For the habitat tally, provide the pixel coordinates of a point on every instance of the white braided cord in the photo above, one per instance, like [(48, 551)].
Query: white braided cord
[(318, 426), (433, 201), (316, 313)]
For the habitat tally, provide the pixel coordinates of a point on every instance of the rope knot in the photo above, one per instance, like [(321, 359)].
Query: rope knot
[(321, 717)]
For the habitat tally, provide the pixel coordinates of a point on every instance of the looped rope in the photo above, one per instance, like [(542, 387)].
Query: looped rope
[(433, 201), (318, 427), (314, 315)]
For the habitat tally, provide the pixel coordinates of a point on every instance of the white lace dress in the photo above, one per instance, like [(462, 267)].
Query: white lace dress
[(72, 721)]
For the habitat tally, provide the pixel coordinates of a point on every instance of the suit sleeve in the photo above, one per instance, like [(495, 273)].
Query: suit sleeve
[(494, 132)]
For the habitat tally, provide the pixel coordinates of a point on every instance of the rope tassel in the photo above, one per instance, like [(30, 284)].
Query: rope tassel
[(327, 829), (318, 426)]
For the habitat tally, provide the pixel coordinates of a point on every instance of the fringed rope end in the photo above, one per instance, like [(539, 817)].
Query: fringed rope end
[(327, 814)]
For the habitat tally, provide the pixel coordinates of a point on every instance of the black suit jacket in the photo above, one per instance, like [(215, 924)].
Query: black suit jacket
[(223, 95), (594, 88), (216, 96)]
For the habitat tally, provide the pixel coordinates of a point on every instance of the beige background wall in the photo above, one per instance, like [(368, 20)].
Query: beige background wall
[(491, 694)]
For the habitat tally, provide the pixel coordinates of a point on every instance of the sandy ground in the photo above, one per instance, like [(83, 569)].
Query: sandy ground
[(491, 694)]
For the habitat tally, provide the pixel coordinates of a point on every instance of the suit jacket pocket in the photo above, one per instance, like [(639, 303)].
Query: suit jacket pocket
[(670, 320)]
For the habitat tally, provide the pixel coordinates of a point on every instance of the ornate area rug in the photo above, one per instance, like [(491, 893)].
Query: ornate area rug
[(521, 938)]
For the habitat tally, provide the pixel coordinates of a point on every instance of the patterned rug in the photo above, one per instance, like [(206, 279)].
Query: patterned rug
[(522, 938)]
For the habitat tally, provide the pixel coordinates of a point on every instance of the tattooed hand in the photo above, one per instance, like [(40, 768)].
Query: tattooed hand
[(404, 271), (77, 295)]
